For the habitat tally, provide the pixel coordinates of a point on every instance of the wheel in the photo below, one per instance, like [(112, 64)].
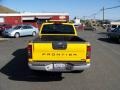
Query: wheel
[(34, 33), (17, 35)]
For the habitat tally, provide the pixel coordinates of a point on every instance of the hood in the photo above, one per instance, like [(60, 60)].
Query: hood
[(9, 30)]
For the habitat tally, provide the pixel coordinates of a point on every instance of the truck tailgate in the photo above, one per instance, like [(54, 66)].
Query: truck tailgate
[(46, 52)]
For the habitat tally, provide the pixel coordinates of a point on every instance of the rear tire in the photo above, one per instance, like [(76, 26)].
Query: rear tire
[(17, 35)]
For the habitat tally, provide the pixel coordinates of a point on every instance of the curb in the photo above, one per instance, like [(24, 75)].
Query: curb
[(4, 39)]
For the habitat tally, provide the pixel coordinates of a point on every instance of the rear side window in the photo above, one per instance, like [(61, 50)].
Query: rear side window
[(57, 29), (27, 27)]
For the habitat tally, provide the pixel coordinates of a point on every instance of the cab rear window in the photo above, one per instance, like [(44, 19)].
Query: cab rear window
[(57, 29)]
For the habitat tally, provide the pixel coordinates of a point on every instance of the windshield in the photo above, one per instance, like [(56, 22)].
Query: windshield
[(17, 27), (57, 29), (114, 26), (116, 29)]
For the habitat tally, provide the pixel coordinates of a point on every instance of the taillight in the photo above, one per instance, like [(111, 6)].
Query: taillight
[(29, 51), (88, 55)]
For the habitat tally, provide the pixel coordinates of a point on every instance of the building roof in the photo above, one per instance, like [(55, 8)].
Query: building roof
[(32, 14)]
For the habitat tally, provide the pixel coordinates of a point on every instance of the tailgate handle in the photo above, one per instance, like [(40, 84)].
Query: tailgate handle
[(59, 45)]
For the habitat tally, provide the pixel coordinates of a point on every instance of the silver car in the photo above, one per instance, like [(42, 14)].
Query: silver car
[(20, 30)]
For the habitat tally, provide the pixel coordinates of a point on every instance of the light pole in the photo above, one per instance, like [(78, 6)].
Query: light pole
[(103, 14)]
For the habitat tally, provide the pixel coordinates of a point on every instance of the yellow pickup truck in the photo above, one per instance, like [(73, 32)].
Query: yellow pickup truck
[(58, 49)]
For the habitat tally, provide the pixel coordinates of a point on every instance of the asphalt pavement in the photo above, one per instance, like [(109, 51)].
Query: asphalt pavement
[(104, 73)]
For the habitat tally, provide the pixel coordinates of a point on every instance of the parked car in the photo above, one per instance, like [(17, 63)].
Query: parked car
[(90, 28), (112, 27), (4, 27), (20, 30), (114, 34)]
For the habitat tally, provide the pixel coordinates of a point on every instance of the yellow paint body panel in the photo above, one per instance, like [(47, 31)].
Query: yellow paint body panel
[(45, 52)]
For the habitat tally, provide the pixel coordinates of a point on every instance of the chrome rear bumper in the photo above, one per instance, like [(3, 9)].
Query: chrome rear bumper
[(64, 68)]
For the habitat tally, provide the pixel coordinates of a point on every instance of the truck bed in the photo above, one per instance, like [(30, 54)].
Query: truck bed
[(58, 38), (59, 48)]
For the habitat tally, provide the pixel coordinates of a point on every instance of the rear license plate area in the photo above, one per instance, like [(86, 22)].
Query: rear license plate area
[(59, 66), (62, 66)]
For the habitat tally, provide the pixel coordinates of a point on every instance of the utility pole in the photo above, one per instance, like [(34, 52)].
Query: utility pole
[(94, 17), (103, 14)]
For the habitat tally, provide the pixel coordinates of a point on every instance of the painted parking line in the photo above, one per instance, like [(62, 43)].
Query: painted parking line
[(2, 39)]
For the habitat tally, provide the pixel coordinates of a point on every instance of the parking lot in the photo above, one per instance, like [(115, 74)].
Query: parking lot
[(104, 73)]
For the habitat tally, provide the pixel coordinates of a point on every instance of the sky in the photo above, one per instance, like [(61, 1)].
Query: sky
[(76, 8)]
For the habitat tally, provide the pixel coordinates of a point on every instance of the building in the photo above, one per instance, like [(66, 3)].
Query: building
[(115, 23), (35, 19)]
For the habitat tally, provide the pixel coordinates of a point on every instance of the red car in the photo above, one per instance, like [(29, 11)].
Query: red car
[(4, 27)]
